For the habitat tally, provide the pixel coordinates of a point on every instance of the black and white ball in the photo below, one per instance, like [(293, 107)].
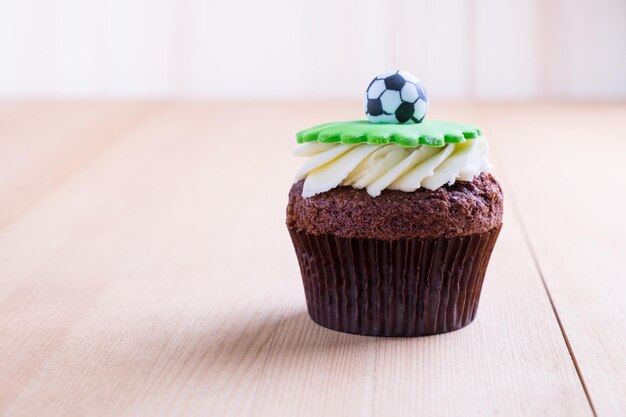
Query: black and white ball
[(396, 97)]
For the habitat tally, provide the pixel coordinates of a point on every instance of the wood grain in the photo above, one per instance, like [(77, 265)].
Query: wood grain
[(48, 143), (155, 276), (566, 167)]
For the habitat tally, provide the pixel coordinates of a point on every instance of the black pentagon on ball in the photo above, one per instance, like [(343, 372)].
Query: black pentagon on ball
[(395, 82), (405, 111), (374, 107)]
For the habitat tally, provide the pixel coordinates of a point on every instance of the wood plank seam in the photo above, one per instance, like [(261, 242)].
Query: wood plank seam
[(519, 217), (556, 313), (263, 371)]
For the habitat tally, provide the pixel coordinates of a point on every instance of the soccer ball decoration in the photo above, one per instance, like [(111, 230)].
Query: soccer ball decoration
[(396, 97)]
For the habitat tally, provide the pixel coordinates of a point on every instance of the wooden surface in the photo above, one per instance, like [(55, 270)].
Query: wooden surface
[(145, 270)]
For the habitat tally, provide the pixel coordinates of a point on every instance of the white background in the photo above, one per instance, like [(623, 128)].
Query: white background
[(462, 49)]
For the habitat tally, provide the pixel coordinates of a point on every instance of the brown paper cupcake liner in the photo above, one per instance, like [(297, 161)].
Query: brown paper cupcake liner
[(411, 287)]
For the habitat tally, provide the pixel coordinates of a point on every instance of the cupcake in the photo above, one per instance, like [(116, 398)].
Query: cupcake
[(394, 218)]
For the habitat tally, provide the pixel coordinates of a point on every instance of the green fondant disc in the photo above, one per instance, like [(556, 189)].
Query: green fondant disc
[(429, 133)]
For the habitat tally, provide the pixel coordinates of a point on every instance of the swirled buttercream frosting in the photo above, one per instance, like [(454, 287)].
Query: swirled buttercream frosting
[(376, 167)]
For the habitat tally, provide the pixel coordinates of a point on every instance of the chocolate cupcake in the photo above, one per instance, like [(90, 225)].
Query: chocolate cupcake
[(394, 219)]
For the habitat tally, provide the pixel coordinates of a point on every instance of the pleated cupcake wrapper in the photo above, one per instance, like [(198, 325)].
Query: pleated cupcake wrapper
[(408, 287)]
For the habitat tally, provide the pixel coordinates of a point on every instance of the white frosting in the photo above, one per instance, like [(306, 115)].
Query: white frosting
[(379, 167)]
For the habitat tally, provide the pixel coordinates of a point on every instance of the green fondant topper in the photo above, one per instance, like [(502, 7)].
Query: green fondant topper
[(428, 133)]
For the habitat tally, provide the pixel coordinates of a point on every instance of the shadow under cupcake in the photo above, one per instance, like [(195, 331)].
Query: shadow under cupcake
[(394, 220)]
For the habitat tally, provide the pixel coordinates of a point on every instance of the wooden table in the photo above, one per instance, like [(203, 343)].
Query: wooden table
[(145, 270)]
